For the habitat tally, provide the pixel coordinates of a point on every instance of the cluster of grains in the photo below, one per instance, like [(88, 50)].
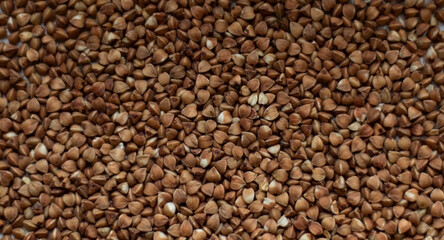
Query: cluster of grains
[(221, 120)]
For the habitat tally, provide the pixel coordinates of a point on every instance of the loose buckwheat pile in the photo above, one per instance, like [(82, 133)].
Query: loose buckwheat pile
[(221, 120)]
